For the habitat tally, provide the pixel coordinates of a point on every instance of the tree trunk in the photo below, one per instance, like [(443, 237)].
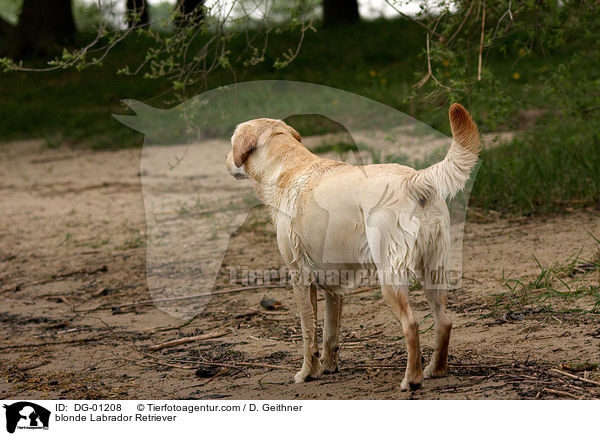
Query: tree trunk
[(44, 27), (337, 12), (189, 12), (6, 28), (137, 12)]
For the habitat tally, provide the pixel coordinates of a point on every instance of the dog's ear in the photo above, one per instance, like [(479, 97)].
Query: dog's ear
[(244, 142), (294, 133)]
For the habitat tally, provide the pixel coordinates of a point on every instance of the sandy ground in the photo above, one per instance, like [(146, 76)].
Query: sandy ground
[(76, 322)]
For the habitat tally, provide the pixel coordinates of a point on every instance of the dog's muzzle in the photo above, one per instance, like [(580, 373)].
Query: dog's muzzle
[(236, 172)]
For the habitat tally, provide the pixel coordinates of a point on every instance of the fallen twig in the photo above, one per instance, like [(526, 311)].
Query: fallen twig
[(32, 365), (46, 344), (178, 326), (55, 277), (220, 373), (262, 365), (471, 279), (247, 314), (195, 317), (185, 297), (594, 382), (235, 365), (566, 394), (366, 367), (187, 340)]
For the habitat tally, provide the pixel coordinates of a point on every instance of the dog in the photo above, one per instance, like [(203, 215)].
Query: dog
[(385, 219)]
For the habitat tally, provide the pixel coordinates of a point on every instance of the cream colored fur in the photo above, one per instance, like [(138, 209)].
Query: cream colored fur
[(389, 220)]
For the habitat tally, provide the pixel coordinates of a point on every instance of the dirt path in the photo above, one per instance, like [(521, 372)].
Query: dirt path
[(73, 258)]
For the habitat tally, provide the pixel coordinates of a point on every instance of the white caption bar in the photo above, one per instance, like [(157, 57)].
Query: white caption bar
[(147, 417)]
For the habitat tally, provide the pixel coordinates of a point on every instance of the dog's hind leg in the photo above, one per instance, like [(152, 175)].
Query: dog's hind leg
[(306, 299), (397, 299), (439, 360), (331, 333)]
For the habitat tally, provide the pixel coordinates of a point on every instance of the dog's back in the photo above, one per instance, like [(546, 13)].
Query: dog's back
[(385, 217)]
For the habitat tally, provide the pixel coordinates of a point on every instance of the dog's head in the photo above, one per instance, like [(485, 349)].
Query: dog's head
[(252, 144)]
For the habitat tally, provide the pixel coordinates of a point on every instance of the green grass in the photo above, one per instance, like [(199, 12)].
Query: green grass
[(547, 170), (554, 289)]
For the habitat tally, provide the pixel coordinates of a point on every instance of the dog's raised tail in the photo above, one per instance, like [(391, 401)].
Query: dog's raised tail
[(448, 177)]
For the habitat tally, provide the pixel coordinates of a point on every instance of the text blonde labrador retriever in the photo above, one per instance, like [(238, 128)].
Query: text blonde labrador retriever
[(387, 219)]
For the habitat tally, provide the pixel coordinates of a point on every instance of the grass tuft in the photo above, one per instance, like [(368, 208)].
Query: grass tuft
[(569, 288)]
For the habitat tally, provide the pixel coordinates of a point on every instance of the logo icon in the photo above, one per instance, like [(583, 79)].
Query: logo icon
[(26, 415)]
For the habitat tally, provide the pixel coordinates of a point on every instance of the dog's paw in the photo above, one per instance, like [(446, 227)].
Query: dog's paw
[(304, 376), (406, 385), (431, 371), (328, 367), (413, 383)]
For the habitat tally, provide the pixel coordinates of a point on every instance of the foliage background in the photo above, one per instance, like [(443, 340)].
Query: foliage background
[(531, 67)]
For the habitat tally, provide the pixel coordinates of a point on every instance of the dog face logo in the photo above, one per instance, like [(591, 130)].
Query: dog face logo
[(26, 415), (193, 205)]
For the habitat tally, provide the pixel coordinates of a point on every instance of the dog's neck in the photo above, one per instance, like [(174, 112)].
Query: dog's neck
[(274, 173)]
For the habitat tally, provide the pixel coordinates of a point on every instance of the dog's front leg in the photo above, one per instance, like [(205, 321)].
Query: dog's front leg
[(306, 299), (331, 333)]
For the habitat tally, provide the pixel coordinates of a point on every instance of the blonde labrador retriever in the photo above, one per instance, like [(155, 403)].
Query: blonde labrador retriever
[(388, 219)]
